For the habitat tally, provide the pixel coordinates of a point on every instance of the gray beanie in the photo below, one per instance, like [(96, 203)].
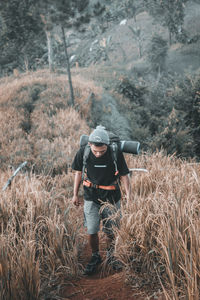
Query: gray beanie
[(99, 135)]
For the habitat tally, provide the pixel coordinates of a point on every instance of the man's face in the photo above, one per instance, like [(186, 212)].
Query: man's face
[(98, 151)]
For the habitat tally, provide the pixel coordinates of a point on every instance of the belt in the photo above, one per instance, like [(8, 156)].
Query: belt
[(97, 186)]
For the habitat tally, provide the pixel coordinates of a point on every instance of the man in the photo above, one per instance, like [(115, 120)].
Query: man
[(101, 185)]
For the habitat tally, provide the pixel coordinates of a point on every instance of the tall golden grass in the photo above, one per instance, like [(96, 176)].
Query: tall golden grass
[(159, 235), (40, 238), (37, 123)]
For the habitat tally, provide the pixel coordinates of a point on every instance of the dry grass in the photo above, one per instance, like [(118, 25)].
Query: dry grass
[(37, 123), (40, 239), (159, 234), (158, 240)]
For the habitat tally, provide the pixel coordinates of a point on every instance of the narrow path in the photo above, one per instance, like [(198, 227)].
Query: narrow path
[(106, 284), (111, 287)]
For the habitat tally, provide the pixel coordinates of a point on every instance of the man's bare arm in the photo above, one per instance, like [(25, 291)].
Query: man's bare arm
[(77, 182), (126, 183)]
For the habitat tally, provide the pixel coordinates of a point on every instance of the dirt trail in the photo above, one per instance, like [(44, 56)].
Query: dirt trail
[(111, 287), (106, 284)]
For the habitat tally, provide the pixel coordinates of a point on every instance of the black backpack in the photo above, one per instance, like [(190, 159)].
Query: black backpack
[(115, 146)]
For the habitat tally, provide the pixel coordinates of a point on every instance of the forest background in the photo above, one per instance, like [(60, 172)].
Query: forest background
[(149, 50)]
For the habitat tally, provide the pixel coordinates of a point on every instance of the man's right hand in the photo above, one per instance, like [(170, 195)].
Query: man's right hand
[(77, 182), (76, 200)]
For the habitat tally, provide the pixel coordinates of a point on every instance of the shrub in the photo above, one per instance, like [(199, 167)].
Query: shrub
[(157, 53)]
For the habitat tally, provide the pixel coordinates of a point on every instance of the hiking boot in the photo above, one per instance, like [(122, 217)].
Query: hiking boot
[(92, 265)]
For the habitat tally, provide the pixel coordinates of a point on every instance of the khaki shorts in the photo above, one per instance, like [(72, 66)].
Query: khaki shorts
[(94, 213)]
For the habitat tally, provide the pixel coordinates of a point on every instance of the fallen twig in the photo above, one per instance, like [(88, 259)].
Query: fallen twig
[(14, 174), (139, 170)]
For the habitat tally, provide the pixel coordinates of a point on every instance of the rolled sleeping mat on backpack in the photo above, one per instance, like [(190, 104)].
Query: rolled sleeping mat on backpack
[(125, 146), (130, 147)]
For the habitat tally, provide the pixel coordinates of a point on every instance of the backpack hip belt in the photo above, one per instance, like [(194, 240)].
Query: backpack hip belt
[(96, 186)]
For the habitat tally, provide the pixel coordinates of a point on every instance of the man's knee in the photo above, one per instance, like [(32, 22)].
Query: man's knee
[(92, 229), (91, 217)]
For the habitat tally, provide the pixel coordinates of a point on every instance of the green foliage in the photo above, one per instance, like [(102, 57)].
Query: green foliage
[(187, 99), (137, 35), (98, 9), (174, 136), (23, 25), (179, 131), (19, 29), (124, 9), (132, 8), (165, 115), (169, 13), (157, 53), (128, 88)]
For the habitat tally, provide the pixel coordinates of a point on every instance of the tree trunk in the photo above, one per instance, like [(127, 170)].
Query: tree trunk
[(50, 50), (122, 51), (140, 48), (68, 68), (170, 37)]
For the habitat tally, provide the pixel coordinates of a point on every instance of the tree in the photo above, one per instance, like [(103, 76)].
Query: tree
[(132, 8), (123, 9), (18, 30), (187, 99), (168, 13), (157, 53), (137, 35), (175, 137), (65, 14)]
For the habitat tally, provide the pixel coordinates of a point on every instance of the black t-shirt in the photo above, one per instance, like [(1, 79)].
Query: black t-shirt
[(101, 171)]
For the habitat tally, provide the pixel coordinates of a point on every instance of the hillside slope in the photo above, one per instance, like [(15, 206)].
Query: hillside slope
[(118, 48), (37, 123)]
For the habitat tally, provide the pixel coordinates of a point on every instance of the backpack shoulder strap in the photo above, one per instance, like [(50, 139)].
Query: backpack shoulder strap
[(85, 157), (114, 150)]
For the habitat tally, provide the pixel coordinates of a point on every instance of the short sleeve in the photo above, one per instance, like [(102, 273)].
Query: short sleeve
[(122, 166), (77, 163)]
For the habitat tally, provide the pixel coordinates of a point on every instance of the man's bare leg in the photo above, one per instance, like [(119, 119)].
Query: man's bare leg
[(96, 258), (94, 242)]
